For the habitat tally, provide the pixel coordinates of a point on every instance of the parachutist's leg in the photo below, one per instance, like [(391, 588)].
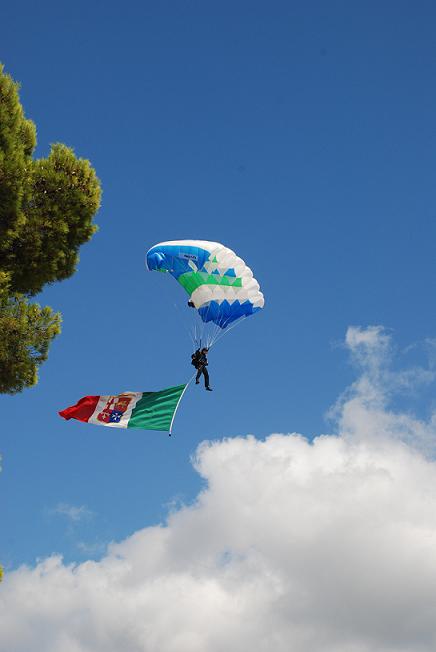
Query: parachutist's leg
[(197, 377), (206, 377)]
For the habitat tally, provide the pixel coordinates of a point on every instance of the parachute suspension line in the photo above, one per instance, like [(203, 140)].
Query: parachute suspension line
[(211, 330), (196, 330), (230, 328), (204, 329), (215, 334), (212, 335), (207, 327), (182, 321), (200, 330), (203, 332)]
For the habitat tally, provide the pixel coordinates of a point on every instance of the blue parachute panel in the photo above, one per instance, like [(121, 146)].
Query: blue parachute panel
[(175, 259), (225, 313)]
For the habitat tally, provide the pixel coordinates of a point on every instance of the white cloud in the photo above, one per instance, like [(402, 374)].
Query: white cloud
[(93, 548), (72, 512), (295, 546), (363, 411)]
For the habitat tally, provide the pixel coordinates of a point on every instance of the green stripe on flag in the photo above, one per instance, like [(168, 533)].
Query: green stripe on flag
[(155, 410)]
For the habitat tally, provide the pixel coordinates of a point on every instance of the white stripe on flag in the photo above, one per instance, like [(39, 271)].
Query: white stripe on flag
[(103, 402)]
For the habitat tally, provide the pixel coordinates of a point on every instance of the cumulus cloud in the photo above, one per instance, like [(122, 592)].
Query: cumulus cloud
[(322, 546)]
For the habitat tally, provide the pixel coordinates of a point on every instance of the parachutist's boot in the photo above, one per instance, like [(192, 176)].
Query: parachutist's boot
[(209, 389), (197, 382)]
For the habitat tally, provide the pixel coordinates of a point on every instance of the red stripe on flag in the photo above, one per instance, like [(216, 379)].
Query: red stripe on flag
[(83, 409)]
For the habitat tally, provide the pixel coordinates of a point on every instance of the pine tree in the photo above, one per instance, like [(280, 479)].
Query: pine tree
[(46, 212)]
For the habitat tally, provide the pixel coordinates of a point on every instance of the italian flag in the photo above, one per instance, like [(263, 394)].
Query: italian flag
[(146, 410)]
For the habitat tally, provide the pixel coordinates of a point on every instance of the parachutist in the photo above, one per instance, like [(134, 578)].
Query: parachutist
[(200, 362), (194, 358), (191, 304)]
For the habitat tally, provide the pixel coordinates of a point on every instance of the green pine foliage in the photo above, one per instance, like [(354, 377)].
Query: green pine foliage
[(26, 331), (46, 212)]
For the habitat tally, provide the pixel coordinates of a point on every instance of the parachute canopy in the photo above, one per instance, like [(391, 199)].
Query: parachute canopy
[(220, 285)]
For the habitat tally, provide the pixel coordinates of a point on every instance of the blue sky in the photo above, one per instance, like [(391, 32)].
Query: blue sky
[(300, 135)]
